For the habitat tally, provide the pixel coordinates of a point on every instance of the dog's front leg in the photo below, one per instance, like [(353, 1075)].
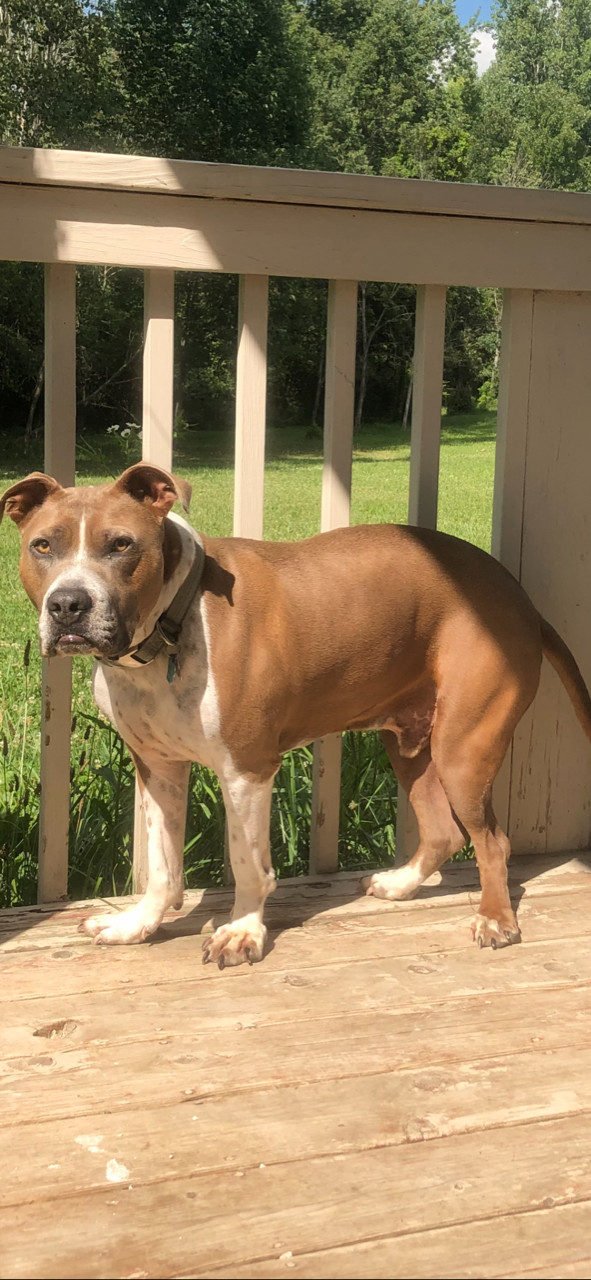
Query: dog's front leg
[(163, 785), (248, 809)]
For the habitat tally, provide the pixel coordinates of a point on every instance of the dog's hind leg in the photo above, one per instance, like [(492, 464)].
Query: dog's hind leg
[(467, 766), (440, 835), (248, 811)]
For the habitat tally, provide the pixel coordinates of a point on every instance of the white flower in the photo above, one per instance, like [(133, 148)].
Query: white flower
[(125, 432)]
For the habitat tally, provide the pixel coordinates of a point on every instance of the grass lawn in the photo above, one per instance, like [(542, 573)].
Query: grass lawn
[(102, 779)]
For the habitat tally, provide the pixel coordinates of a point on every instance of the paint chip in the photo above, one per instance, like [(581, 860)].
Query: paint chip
[(116, 1172), (90, 1142)]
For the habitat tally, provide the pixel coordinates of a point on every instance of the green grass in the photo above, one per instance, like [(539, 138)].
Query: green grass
[(102, 776)]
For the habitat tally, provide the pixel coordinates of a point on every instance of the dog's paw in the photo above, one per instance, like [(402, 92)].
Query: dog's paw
[(488, 932), (120, 928), (240, 942), (392, 885)]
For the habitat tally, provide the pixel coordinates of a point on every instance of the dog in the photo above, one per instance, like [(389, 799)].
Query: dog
[(229, 652)]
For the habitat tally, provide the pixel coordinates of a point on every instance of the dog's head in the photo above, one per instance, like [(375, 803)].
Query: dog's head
[(94, 559)]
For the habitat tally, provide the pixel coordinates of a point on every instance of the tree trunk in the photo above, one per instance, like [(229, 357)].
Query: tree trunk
[(33, 406), (319, 385), (407, 404)]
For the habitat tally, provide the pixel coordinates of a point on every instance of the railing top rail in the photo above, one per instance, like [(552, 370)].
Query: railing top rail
[(98, 170)]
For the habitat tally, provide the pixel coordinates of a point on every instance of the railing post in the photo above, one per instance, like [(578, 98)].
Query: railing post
[(339, 404), (60, 462), (157, 427), (424, 468), (510, 453), (251, 403), (251, 418)]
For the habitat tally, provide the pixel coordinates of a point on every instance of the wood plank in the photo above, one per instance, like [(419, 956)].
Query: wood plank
[(304, 898), (339, 412), (246, 237), (361, 1112), (426, 406), (71, 966), (90, 1053), (558, 1235), (157, 431), (426, 1070), (158, 380), (510, 461), (512, 425), (56, 694), (339, 404), (195, 1224), (41, 167), (251, 401), (577, 1270), (424, 472), (551, 763)]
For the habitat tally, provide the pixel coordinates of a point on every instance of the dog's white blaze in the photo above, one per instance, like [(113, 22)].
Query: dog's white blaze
[(81, 552)]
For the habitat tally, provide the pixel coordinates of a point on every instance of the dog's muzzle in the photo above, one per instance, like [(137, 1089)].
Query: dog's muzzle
[(74, 621), (69, 609)]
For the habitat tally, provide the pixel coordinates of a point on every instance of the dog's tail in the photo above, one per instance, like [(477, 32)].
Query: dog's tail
[(559, 654)]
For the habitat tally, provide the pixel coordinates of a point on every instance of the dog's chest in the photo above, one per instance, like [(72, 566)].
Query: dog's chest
[(177, 720)]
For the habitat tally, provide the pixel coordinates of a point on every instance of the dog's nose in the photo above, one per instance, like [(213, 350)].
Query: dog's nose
[(67, 604)]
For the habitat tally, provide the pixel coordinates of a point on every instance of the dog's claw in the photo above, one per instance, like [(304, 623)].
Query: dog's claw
[(205, 959), (248, 955), (221, 963), (480, 944)]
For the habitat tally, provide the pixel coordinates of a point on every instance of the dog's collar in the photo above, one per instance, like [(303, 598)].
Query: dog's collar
[(166, 635)]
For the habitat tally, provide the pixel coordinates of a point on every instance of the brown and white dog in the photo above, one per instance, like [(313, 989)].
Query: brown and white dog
[(407, 631)]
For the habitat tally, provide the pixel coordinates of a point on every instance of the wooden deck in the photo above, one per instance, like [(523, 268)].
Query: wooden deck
[(377, 1099)]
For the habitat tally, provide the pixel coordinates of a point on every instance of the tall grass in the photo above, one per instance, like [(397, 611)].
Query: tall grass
[(102, 777)]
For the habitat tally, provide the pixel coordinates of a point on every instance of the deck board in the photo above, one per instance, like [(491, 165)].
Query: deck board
[(378, 1098)]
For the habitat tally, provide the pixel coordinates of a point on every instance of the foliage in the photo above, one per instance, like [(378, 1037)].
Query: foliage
[(385, 86), (534, 127)]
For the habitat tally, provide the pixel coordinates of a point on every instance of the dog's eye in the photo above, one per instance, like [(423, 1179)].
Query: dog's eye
[(121, 544), (42, 546)]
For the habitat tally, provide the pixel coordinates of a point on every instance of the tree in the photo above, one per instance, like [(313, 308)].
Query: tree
[(395, 85), (58, 83), (535, 123), (222, 80)]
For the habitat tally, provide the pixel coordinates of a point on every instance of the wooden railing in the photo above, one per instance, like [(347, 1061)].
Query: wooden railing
[(69, 208)]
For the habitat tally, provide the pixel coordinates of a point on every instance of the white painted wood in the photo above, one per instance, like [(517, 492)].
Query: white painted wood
[(510, 459), (512, 421), (157, 429), (424, 471), (550, 806), (41, 167), (158, 393), (251, 399), (250, 237), (251, 408), (426, 406), (60, 462), (339, 405)]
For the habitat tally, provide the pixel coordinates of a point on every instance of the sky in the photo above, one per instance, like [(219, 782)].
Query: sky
[(467, 9)]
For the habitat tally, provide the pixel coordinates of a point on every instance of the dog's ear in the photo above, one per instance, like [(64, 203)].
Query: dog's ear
[(151, 484), (23, 497)]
